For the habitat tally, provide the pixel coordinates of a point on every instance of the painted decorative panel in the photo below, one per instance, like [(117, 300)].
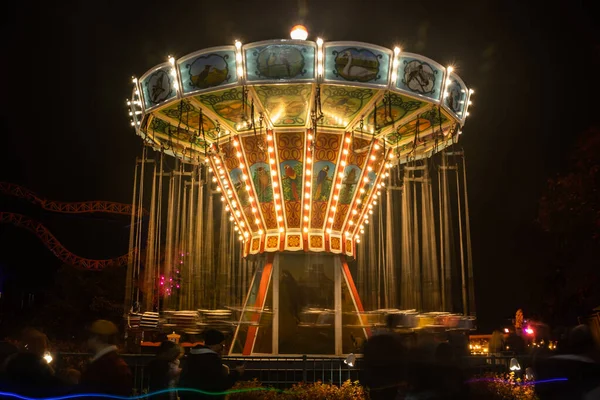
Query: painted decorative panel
[(357, 62), (327, 147), (391, 109), (159, 86), (186, 114), (290, 148), (280, 61), (341, 104), (232, 164), (207, 70), (455, 96), (228, 104), (419, 76), (425, 126), (287, 105)]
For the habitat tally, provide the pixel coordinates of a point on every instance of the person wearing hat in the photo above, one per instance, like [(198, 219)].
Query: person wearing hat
[(164, 370), (107, 372), (204, 369)]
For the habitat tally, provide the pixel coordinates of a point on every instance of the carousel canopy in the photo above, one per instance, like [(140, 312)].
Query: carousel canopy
[(298, 134)]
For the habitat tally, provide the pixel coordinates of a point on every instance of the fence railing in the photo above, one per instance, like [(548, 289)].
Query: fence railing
[(283, 371)]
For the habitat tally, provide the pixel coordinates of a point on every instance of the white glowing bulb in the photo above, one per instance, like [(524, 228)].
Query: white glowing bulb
[(348, 140), (214, 179), (277, 207), (235, 228), (306, 207), (320, 69), (299, 32), (231, 218), (238, 154), (338, 186), (328, 230), (350, 222), (305, 218), (270, 149), (366, 179), (308, 172), (362, 190), (273, 173), (257, 221), (245, 234), (226, 208), (237, 213), (271, 161), (343, 163), (242, 224), (238, 44), (280, 218), (335, 197), (450, 69), (305, 229), (307, 184), (319, 42), (218, 188), (345, 151), (373, 157), (229, 192), (358, 201), (308, 160), (376, 146), (471, 91), (354, 212), (242, 165), (260, 231), (254, 209), (275, 184), (307, 195), (374, 202), (341, 174), (332, 208), (240, 71), (330, 219), (276, 196), (247, 188), (240, 237), (269, 137), (310, 136), (281, 230), (369, 168)]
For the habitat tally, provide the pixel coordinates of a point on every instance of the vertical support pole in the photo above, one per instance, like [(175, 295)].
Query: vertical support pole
[(462, 251), (472, 309), (337, 276), (131, 258), (275, 344)]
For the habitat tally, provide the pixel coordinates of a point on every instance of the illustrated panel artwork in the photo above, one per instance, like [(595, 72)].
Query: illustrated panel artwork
[(427, 126), (290, 148), (159, 86), (287, 105), (327, 147), (260, 171), (160, 127), (391, 109), (186, 114), (349, 63), (228, 104), (236, 174), (280, 62), (455, 96), (419, 75), (207, 70), (341, 104)]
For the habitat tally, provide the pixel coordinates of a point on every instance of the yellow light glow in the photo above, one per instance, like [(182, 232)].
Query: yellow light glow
[(277, 207), (254, 209), (280, 218), (257, 221), (275, 184), (308, 184), (281, 229), (305, 218), (307, 195), (306, 207), (260, 231), (269, 137), (305, 229), (276, 196)]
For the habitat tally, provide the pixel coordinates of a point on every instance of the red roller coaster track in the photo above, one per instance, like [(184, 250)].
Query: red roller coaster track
[(67, 207), (56, 247), (48, 238)]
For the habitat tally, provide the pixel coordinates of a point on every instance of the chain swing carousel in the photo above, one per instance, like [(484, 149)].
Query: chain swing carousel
[(278, 174)]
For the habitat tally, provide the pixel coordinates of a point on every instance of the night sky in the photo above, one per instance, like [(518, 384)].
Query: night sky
[(67, 71)]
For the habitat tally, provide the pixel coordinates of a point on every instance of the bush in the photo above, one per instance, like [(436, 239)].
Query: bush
[(254, 390), (502, 386)]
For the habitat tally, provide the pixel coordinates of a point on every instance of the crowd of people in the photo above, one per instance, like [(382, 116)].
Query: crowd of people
[(394, 367), (25, 367)]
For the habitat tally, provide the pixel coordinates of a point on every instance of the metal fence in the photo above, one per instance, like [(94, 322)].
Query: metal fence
[(283, 371)]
